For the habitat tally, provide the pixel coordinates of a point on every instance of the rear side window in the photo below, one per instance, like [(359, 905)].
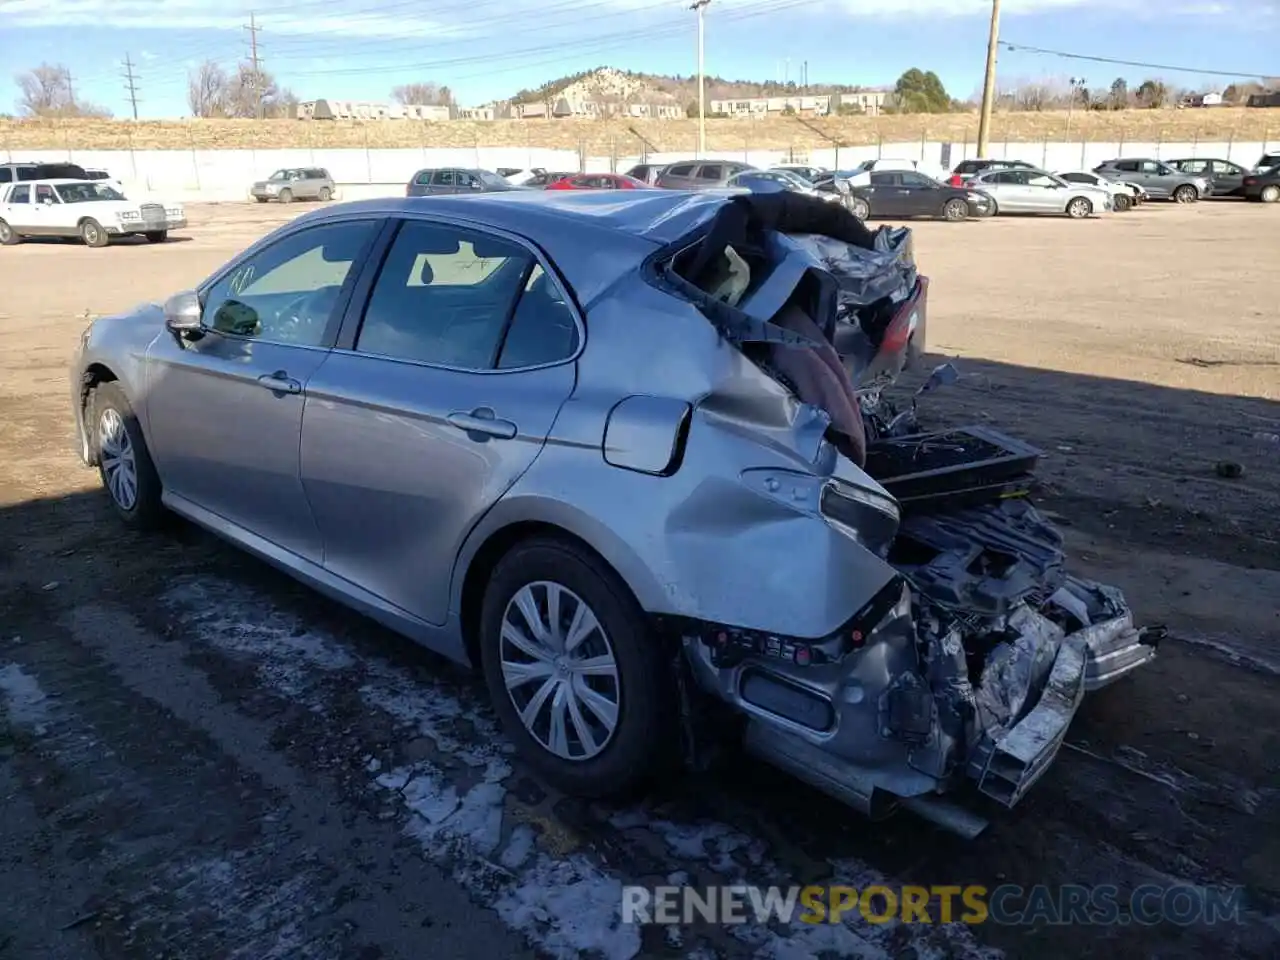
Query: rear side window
[(443, 178), (710, 172), (20, 194), (1128, 166), (443, 296), (884, 179), (6, 175), (27, 173), (542, 328), (681, 170), (422, 177)]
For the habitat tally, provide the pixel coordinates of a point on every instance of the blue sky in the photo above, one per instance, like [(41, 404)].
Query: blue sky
[(360, 49)]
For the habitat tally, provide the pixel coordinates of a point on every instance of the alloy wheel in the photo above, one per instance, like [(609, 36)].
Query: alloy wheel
[(119, 465), (560, 671)]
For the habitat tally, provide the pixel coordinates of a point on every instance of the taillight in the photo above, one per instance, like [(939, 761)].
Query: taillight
[(956, 180)]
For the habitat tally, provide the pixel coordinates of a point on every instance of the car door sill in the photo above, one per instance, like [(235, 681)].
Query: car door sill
[(445, 640)]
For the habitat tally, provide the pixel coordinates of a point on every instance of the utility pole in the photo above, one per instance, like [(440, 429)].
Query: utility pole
[(71, 91), (1077, 87), (700, 6), (989, 80), (252, 27), (131, 84)]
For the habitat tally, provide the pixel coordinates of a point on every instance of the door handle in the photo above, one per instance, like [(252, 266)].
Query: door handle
[(482, 421), (280, 382)]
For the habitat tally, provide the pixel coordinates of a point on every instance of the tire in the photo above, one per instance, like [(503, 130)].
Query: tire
[(1270, 193), (859, 208), (325, 195), (1079, 208), (7, 236), (645, 738), (1122, 202), (955, 210), (108, 418), (157, 236), (92, 234), (1186, 194), (261, 199), (286, 195)]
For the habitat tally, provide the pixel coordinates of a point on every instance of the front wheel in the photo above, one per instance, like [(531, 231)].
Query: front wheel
[(1270, 193), (286, 196), (157, 236), (92, 234), (124, 463), (1122, 202), (1186, 194), (859, 208), (955, 210), (578, 681), (1079, 208)]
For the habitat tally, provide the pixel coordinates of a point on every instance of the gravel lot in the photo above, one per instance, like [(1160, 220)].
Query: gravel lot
[(200, 759)]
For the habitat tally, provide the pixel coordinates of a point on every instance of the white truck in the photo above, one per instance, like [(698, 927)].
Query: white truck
[(92, 210)]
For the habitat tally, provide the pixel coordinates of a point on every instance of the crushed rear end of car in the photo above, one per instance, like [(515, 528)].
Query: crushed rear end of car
[(970, 646)]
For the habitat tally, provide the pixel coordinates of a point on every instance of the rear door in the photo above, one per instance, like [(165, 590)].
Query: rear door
[(1228, 177), (443, 182), (444, 385)]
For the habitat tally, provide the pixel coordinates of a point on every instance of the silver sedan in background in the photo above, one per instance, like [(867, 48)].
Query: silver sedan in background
[(1036, 191)]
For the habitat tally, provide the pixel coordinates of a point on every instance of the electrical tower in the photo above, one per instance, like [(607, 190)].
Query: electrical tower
[(131, 84), (256, 62)]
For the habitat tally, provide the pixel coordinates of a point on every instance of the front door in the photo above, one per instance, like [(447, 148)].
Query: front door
[(922, 198), (23, 215), (459, 367), (1228, 177), (225, 410)]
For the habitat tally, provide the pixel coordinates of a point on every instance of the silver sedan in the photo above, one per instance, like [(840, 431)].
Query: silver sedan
[(1035, 191)]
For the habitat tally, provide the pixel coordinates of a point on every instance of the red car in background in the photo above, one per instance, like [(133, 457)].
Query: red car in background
[(599, 181)]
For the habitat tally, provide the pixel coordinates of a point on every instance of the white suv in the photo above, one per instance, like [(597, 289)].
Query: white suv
[(92, 210)]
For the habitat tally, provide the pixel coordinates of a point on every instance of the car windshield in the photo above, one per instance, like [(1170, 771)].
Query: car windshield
[(791, 178), (491, 179), (281, 175), (86, 192)]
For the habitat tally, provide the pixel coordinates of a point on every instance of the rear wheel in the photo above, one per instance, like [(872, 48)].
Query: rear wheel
[(1186, 194), (7, 237), (1122, 202), (578, 681), (157, 236), (92, 234), (1270, 193), (124, 463), (286, 196), (324, 195), (1079, 208), (859, 208), (955, 209)]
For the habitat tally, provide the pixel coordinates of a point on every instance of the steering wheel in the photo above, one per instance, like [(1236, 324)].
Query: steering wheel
[(303, 318)]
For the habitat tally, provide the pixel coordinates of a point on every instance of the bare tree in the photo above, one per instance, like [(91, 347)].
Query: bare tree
[(423, 94), (47, 92), (208, 89)]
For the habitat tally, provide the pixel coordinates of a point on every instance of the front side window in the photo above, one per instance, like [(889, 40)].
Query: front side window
[(280, 175), (1042, 180), (917, 180), (44, 193), (712, 172), (287, 292), (6, 175), (680, 170), (87, 192), (20, 194)]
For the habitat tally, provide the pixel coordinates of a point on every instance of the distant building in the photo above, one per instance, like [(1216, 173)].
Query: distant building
[(871, 102), (561, 108), (371, 110), (763, 106), (1202, 100), (498, 110)]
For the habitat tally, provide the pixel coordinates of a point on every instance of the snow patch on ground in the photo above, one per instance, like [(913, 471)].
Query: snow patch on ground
[(569, 906), (25, 703), (233, 619)]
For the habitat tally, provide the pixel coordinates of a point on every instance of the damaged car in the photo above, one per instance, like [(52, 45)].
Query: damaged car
[(633, 458)]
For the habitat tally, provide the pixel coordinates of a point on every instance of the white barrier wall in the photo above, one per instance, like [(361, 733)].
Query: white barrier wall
[(222, 175)]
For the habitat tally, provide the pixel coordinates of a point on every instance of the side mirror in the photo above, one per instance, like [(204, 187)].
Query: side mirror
[(182, 313)]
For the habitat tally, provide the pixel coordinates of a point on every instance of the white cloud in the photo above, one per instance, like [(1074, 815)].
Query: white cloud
[(327, 17)]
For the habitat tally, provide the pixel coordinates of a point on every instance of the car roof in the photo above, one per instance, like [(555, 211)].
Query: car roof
[(594, 237), (56, 181)]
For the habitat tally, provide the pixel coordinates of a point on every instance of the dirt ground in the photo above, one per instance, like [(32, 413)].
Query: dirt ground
[(200, 759)]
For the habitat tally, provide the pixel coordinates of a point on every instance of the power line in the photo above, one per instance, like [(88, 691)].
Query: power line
[(131, 84), (1234, 74), (253, 28)]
